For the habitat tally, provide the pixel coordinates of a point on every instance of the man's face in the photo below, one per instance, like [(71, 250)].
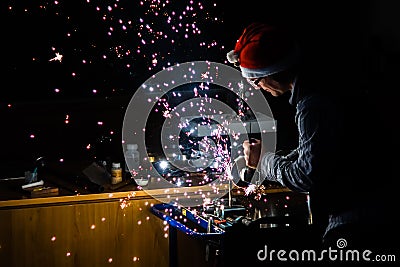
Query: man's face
[(270, 85)]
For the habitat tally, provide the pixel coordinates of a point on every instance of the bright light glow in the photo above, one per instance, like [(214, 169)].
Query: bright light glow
[(163, 164)]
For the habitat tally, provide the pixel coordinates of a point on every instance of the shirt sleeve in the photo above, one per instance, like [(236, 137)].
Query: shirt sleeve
[(299, 173)]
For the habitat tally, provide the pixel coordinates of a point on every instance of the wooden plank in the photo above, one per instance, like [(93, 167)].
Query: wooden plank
[(115, 233)]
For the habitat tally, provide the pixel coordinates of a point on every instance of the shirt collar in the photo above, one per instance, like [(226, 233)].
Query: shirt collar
[(294, 93)]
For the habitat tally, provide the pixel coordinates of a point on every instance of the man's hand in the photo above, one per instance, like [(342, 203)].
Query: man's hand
[(252, 151)]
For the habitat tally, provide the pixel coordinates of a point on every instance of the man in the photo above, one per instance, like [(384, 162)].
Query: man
[(334, 161)]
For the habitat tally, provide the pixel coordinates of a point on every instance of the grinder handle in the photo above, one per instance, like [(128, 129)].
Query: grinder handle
[(251, 168)]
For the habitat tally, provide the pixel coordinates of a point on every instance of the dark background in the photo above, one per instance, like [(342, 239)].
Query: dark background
[(343, 38)]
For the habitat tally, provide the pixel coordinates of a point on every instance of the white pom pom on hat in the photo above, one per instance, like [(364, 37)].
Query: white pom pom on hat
[(232, 57), (263, 50)]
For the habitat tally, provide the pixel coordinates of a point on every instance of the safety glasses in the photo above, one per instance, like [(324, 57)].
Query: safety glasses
[(254, 81)]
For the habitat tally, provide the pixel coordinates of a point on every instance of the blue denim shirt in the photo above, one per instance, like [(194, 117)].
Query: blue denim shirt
[(322, 164), (318, 125)]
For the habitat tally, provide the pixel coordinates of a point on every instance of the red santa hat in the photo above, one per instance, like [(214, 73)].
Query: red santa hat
[(263, 50)]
